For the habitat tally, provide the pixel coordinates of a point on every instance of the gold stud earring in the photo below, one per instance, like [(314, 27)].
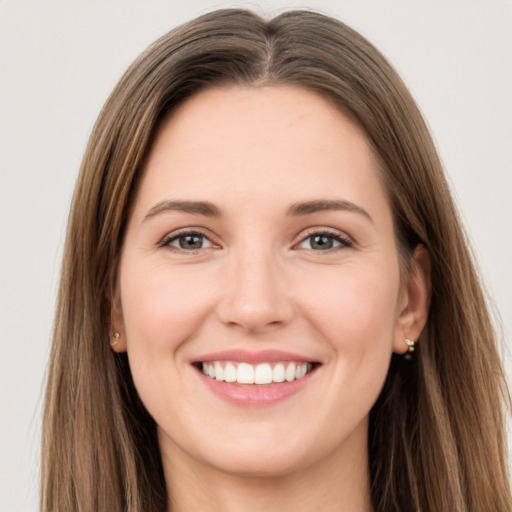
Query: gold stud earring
[(115, 339), (410, 345)]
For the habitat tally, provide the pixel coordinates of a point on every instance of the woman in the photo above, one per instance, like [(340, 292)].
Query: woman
[(267, 300)]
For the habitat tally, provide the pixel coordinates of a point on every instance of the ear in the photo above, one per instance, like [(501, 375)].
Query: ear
[(414, 303), (117, 343)]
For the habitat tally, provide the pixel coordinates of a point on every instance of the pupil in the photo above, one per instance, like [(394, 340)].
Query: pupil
[(322, 242), (190, 242)]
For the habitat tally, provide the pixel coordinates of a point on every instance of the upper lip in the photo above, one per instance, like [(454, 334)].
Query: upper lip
[(246, 356)]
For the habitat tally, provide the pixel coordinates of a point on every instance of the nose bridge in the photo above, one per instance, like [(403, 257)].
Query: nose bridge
[(256, 297)]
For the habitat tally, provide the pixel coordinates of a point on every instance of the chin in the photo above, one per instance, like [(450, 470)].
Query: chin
[(258, 463), (250, 450)]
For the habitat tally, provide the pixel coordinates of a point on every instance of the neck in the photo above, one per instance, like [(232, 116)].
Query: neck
[(335, 484)]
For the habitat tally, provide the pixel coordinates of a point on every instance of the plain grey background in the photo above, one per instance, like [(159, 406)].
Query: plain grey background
[(60, 59)]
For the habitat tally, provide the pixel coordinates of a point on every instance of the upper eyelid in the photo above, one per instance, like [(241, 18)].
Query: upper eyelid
[(326, 231), (316, 230), (187, 231), (307, 232)]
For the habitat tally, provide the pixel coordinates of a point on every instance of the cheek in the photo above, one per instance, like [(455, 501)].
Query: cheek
[(352, 300), (354, 310), (162, 307)]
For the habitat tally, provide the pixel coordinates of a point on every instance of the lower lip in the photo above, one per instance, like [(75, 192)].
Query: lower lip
[(247, 395)]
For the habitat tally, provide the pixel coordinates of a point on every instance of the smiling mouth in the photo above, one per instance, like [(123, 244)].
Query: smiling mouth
[(255, 374)]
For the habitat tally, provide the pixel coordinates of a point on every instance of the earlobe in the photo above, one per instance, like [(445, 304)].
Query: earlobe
[(416, 303), (114, 339), (117, 330)]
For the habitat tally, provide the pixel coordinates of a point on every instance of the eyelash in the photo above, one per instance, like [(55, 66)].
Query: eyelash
[(175, 236), (344, 242)]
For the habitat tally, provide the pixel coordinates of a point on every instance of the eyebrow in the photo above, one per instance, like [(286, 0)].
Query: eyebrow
[(195, 207), (303, 208), (320, 205)]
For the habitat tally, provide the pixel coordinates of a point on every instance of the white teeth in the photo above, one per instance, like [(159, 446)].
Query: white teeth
[(230, 373), (245, 374), (290, 372), (278, 373), (264, 373), (219, 372)]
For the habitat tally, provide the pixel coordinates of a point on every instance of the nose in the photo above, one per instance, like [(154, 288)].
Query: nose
[(256, 298)]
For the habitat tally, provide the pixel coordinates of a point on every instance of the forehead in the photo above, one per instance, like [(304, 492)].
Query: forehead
[(274, 144)]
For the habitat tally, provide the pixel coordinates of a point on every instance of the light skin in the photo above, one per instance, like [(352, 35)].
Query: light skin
[(321, 280)]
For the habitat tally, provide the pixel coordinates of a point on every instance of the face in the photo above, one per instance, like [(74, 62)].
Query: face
[(259, 294)]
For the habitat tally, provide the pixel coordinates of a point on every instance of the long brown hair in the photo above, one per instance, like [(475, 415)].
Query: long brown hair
[(436, 436)]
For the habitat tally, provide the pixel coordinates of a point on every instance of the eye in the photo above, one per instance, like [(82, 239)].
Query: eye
[(324, 241), (187, 241)]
